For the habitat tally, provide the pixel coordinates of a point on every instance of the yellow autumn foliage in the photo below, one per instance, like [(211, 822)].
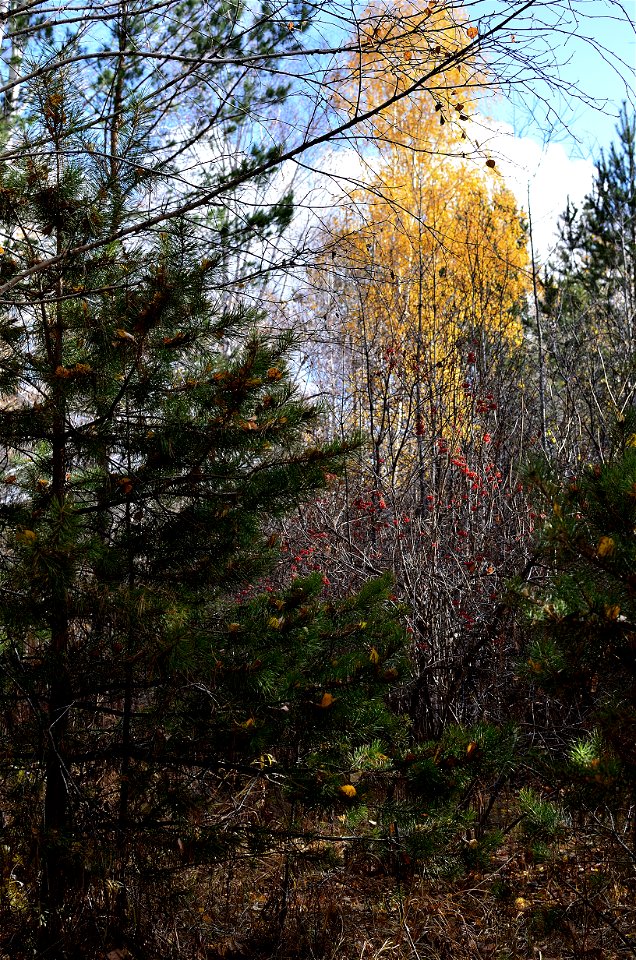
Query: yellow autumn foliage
[(348, 790), (404, 50), (26, 536), (427, 263), (424, 265)]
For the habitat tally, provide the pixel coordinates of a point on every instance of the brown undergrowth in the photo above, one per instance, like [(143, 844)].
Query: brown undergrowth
[(331, 900), (331, 892)]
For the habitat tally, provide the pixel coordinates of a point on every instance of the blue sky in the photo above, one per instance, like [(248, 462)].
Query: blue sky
[(548, 137), (545, 133), (597, 57)]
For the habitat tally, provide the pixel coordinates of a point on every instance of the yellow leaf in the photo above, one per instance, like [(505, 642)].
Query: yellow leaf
[(631, 440), (522, 904), (265, 760), (326, 701), (124, 334), (605, 547), (612, 611), (470, 749), (274, 623), (348, 790), (374, 656), (397, 320)]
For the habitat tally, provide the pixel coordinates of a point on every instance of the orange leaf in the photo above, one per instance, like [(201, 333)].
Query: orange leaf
[(326, 701), (605, 547), (472, 32)]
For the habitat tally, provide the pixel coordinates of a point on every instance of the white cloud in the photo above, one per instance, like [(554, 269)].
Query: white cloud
[(545, 170), (551, 176)]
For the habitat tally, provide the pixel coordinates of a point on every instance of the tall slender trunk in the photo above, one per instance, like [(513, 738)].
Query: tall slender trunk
[(14, 56), (56, 882), (540, 344), (125, 768)]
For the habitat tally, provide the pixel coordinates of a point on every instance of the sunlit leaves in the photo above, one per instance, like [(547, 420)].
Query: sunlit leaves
[(431, 256)]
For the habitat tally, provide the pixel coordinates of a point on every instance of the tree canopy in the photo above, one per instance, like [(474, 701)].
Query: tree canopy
[(237, 625)]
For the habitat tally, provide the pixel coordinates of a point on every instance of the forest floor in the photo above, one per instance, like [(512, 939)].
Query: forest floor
[(578, 902)]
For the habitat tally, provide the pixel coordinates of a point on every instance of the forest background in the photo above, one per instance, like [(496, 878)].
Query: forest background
[(317, 629)]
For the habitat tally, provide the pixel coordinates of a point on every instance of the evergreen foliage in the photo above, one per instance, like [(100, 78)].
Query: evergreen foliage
[(581, 622), (168, 717), (589, 298), (152, 433), (582, 616)]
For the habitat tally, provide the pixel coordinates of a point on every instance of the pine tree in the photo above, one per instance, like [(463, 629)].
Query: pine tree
[(152, 434), (590, 302), (608, 238), (581, 637)]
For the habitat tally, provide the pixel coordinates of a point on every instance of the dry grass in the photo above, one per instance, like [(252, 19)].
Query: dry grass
[(578, 904), (343, 900)]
